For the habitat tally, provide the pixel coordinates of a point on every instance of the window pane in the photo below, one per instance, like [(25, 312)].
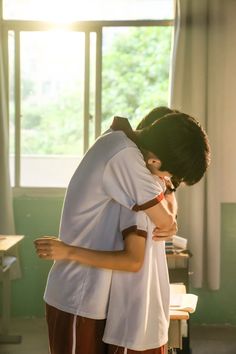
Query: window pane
[(74, 10), (136, 63), (92, 86), (11, 55), (52, 86)]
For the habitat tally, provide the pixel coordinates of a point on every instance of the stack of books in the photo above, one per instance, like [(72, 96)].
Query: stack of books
[(176, 245)]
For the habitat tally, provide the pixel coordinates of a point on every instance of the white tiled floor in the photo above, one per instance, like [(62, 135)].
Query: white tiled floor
[(204, 339)]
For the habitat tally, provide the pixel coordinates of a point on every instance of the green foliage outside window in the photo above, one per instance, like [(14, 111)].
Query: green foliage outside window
[(136, 73)]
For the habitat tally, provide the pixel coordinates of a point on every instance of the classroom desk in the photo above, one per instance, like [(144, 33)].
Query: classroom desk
[(178, 264), (175, 328), (6, 262), (176, 318)]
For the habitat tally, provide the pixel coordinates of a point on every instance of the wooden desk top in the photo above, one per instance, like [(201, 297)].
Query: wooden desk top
[(178, 255), (179, 315), (8, 241)]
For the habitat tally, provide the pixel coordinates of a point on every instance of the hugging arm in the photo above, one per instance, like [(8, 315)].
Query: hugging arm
[(129, 259)]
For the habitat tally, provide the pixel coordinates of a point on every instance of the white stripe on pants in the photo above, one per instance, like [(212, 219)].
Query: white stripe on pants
[(74, 336)]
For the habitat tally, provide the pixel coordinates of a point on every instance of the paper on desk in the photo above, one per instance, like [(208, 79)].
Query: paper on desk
[(183, 302)]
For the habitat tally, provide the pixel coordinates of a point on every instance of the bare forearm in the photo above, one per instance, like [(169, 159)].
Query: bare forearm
[(170, 197), (130, 259), (161, 216), (171, 203), (115, 260)]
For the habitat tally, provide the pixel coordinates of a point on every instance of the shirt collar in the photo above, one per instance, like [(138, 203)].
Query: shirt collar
[(120, 123)]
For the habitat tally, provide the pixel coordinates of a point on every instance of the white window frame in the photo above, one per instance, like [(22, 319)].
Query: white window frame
[(83, 26)]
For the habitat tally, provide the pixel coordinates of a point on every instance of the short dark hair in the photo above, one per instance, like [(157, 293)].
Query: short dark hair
[(181, 144), (155, 114)]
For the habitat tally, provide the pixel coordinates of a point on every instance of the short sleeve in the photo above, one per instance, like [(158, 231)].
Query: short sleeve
[(131, 221), (128, 181)]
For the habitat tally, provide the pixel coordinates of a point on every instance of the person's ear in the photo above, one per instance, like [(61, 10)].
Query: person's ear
[(154, 162)]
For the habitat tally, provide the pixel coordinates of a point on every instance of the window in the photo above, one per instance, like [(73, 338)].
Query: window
[(67, 80)]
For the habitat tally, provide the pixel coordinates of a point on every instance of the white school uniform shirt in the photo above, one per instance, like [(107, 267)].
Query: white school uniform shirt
[(112, 173), (138, 312)]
